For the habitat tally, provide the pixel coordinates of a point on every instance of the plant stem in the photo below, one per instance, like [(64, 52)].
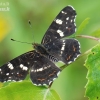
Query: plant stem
[(89, 37)]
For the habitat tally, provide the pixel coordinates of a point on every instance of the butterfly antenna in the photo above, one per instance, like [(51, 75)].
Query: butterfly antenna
[(20, 41), (31, 30)]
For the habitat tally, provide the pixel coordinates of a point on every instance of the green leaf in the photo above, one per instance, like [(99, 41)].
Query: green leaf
[(93, 65), (96, 33), (27, 91), (82, 26), (1, 84)]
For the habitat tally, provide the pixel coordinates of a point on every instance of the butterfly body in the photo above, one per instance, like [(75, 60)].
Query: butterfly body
[(41, 49)]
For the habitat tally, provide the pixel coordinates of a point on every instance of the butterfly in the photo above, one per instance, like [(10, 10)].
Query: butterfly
[(40, 63)]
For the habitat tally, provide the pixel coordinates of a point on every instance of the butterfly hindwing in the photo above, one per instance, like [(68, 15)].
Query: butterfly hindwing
[(62, 26), (43, 71), (66, 50)]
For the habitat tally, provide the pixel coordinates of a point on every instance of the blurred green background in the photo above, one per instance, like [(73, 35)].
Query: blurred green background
[(14, 24)]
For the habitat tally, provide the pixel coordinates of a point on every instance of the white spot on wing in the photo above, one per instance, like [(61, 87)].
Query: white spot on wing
[(67, 18), (58, 21), (9, 77), (58, 73), (9, 80), (7, 74), (39, 84), (69, 62), (35, 61), (10, 66), (75, 26), (13, 80), (35, 84), (1, 72), (50, 82), (20, 81), (71, 20), (54, 79), (44, 84), (0, 69), (23, 67), (63, 12), (4, 81), (71, 7), (61, 51), (63, 47), (78, 43), (74, 19), (41, 69), (78, 55), (75, 58), (60, 33), (66, 27)]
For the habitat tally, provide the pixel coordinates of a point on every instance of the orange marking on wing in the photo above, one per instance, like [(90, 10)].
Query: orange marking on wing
[(41, 79), (69, 57), (52, 73), (74, 49), (69, 29)]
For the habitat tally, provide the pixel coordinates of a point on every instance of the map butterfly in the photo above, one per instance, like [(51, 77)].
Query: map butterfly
[(40, 63)]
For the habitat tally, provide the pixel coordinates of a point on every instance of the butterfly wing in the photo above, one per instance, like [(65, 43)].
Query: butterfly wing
[(16, 69), (66, 50), (43, 71), (62, 26)]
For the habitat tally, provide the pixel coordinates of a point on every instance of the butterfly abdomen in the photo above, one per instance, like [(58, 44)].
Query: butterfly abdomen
[(42, 50)]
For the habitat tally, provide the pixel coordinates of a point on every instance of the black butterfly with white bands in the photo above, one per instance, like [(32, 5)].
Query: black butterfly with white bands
[(53, 48)]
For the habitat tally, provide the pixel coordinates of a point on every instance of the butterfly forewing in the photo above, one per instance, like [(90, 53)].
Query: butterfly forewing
[(16, 69), (62, 26)]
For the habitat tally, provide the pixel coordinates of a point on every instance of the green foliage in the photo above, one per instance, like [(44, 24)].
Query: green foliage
[(41, 13), (27, 91), (96, 33), (82, 26), (1, 84), (93, 65)]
